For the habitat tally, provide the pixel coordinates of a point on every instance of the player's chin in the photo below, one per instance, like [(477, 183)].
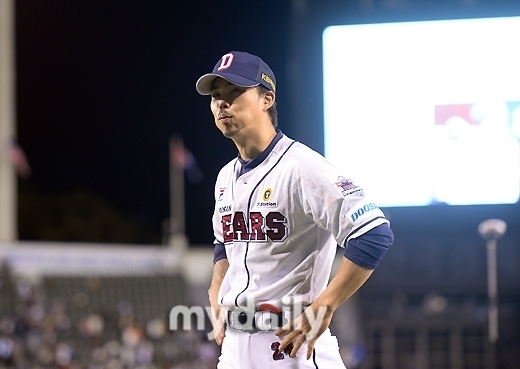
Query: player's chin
[(227, 131)]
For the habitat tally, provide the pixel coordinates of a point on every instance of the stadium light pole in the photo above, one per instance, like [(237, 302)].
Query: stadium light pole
[(8, 227), (177, 235), (491, 230)]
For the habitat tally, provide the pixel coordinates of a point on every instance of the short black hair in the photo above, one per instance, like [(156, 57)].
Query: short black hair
[(273, 113)]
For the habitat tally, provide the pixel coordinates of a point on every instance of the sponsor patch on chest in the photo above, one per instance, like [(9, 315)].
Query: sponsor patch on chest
[(265, 201), (267, 204), (221, 192)]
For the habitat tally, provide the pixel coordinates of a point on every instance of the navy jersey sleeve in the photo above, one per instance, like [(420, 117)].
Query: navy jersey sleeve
[(219, 252), (368, 249)]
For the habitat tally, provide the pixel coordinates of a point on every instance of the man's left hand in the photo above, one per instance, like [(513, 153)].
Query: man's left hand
[(307, 327)]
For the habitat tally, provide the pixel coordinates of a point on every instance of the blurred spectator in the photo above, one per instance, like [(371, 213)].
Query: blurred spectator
[(91, 326), (41, 331)]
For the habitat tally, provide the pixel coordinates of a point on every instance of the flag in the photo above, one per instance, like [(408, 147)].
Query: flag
[(182, 158), (19, 160)]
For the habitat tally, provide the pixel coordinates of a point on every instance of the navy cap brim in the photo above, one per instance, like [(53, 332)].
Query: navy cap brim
[(204, 83)]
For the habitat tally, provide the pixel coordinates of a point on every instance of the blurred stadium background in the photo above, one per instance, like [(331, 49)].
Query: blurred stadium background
[(106, 305)]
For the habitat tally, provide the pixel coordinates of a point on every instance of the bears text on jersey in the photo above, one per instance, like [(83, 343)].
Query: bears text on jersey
[(255, 227)]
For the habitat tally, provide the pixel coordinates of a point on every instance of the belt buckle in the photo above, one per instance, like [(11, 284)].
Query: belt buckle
[(242, 320)]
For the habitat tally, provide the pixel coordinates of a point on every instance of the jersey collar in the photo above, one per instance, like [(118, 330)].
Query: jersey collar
[(247, 165)]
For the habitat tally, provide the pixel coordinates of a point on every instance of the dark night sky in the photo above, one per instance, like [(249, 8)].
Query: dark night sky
[(101, 86)]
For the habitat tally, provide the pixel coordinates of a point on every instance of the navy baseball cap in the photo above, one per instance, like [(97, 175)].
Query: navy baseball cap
[(240, 68)]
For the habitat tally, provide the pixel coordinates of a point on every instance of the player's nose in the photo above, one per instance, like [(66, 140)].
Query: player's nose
[(222, 103)]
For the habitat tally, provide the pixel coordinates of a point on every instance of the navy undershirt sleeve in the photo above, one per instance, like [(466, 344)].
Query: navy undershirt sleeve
[(368, 249), (219, 252)]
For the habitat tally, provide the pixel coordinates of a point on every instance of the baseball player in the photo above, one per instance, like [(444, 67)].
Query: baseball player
[(281, 210)]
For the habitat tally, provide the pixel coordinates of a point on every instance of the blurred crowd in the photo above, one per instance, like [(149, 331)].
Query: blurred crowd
[(41, 331)]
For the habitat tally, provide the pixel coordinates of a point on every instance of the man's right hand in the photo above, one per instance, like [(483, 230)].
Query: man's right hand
[(218, 315), (218, 319)]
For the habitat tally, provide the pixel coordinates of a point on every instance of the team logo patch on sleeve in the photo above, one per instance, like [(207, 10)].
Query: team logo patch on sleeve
[(348, 187)]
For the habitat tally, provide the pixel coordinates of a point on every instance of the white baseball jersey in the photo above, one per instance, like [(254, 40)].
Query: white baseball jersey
[(281, 223)]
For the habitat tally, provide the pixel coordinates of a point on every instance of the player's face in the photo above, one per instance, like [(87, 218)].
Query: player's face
[(235, 108)]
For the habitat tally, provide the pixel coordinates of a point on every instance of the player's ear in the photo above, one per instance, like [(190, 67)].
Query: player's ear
[(269, 98)]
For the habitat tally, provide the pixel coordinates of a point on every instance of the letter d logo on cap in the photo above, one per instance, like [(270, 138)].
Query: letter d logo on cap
[(226, 61)]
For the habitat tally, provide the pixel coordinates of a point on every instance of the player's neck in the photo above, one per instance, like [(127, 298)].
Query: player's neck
[(255, 143)]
